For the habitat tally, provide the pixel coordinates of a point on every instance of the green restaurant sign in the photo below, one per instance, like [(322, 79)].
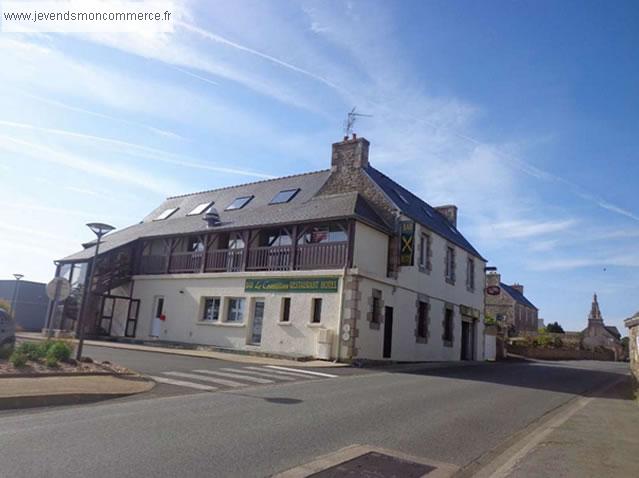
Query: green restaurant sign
[(292, 284)]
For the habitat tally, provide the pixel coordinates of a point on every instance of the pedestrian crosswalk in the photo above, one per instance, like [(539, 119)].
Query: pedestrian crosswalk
[(232, 378)]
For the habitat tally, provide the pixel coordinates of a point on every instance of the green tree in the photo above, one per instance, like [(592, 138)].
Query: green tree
[(554, 328)]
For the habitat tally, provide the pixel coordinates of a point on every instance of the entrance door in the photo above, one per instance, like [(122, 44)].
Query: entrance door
[(158, 315), (467, 340), (258, 318), (388, 331), (132, 318)]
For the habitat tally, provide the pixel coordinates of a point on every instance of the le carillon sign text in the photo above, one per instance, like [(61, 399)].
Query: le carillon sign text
[(292, 284)]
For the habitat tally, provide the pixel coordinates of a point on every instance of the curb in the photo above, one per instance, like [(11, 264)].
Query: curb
[(54, 400)]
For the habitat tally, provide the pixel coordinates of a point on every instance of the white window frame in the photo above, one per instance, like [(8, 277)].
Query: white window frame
[(450, 264), (470, 274), (425, 251), (202, 318), (234, 311)]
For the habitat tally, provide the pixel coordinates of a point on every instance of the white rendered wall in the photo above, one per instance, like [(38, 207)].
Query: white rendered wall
[(183, 295), (402, 293)]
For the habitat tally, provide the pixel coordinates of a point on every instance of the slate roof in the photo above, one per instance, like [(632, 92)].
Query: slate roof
[(258, 212), (420, 211), (518, 296), (613, 330)]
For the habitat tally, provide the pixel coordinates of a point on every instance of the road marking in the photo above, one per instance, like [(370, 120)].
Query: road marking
[(308, 372), (219, 381), (182, 383), (261, 374), (287, 374), (235, 375)]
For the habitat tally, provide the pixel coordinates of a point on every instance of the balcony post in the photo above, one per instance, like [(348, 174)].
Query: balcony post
[(351, 243), (170, 244), (205, 243), (293, 259), (246, 237)]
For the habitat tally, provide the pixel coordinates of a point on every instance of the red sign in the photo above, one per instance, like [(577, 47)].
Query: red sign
[(493, 290)]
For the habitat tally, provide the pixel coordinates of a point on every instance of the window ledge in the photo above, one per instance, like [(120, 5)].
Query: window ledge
[(448, 343), (284, 323), (315, 326), (450, 281), (221, 324)]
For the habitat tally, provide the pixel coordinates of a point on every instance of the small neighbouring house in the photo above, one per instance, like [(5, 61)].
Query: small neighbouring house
[(341, 263), (509, 306)]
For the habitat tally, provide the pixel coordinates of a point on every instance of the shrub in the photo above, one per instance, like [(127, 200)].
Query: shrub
[(51, 362), (18, 359), (61, 351), (5, 352), (32, 350)]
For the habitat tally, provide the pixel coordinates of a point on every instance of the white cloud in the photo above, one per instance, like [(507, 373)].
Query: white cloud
[(523, 229), (117, 173)]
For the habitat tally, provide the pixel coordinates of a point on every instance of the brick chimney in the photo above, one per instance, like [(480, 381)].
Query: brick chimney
[(518, 287), (350, 154), (449, 211)]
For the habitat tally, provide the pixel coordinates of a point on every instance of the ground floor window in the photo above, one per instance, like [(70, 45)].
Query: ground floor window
[(211, 311), (236, 310), (286, 309), (317, 311), (448, 326), (422, 320)]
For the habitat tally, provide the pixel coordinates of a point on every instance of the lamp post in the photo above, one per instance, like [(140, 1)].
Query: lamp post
[(99, 229), (15, 295)]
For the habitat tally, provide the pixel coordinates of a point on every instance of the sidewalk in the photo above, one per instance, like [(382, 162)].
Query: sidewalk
[(227, 356), (601, 439)]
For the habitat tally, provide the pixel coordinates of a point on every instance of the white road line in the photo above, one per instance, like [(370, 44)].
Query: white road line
[(182, 383), (261, 374), (219, 381), (235, 375), (287, 374), (308, 372)]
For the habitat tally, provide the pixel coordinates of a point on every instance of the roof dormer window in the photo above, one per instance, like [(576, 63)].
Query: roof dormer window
[(166, 213), (200, 208), (284, 196), (239, 203)]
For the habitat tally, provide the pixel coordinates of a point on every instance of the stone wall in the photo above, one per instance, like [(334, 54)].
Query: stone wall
[(633, 334), (562, 354)]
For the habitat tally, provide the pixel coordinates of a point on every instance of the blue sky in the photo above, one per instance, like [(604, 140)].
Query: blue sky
[(524, 114)]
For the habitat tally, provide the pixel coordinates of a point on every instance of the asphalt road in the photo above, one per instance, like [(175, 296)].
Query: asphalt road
[(450, 415)]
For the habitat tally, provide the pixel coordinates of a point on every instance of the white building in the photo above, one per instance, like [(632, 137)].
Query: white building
[(337, 263)]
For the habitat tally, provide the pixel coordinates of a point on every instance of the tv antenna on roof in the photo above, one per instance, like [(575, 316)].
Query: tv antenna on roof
[(350, 121)]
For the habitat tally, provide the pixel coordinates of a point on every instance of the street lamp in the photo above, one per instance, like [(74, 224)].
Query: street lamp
[(15, 295), (99, 229)]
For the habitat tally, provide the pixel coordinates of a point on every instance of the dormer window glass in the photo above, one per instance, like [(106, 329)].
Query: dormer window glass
[(284, 196), (166, 213), (200, 208), (239, 203)]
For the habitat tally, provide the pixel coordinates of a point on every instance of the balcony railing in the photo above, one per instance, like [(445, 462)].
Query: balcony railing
[(327, 255), (185, 262), (276, 258), (153, 264), (224, 260)]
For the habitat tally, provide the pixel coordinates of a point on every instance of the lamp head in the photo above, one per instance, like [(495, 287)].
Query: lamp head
[(18, 276), (100, 229)]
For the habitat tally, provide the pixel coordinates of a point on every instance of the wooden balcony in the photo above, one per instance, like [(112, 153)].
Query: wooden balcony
[(326, 255)]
